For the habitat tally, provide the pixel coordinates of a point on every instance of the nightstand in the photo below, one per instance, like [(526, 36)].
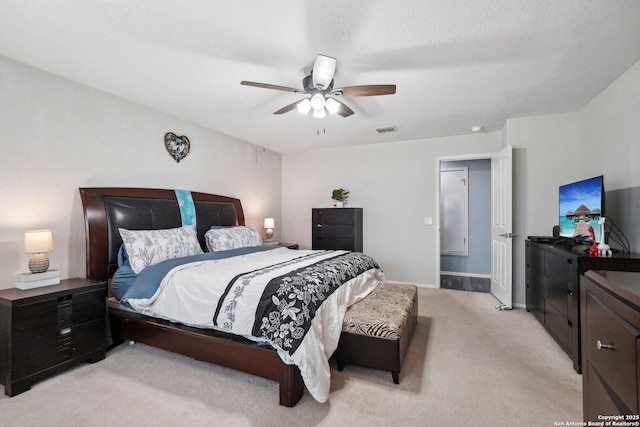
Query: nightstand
[(48, 329), (289, 245)]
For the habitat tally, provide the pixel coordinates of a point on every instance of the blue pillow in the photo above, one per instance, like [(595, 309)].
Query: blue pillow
[(123, 256), (122, 281)]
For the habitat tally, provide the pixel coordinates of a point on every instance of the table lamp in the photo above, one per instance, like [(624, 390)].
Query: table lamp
[(269, 224), (37, 242)]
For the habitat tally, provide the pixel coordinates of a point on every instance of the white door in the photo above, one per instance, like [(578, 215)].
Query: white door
[(501, 227)]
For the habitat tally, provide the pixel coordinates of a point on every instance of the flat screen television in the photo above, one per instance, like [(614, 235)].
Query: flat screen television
[(581, 206)]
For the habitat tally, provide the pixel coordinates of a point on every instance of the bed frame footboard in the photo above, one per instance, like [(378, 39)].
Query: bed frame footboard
[(210, 346)]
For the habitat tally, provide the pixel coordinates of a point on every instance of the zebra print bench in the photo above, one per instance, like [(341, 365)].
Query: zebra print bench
[(376, 330)]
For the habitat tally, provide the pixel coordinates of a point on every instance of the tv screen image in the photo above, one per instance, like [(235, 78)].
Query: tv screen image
[(581, 206)]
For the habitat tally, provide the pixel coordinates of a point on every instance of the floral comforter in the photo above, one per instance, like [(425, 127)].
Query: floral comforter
[(294, 300)]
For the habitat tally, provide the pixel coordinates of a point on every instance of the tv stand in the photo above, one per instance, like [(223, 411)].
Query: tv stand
[(552, 283)]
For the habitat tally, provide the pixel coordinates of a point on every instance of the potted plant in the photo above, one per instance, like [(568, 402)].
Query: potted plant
[(340, 196)]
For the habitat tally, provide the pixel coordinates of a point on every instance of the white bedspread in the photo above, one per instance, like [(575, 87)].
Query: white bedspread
[(189, 294)]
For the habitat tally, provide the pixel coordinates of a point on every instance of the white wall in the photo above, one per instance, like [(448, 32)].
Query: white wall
[(58, 135), (552, 150), (610, 133), (395, 183), (546, 154)]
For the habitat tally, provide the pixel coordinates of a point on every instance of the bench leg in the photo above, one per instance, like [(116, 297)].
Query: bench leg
[(396, 380)]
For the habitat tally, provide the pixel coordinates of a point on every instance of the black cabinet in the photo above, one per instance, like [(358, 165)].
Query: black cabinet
[(48, 329), (552, 287), (337, 228)]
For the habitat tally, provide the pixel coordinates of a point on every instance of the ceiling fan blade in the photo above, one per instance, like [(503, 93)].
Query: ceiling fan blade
[(323, 70), (366, 90), (287, 108), (270, 86), (344, 110)]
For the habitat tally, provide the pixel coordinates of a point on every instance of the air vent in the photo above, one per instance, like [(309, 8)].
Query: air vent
[(387, 129)]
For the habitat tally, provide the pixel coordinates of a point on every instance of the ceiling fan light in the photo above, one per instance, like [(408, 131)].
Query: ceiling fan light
[(323, 70), (318, 114), (304, 106), (317, 102), (332, 105)]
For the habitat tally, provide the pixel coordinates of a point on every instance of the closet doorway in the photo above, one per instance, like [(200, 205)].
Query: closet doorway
[(465, 225)]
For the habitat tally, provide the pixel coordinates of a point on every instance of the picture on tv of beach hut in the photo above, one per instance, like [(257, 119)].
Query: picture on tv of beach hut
[(581, 206)]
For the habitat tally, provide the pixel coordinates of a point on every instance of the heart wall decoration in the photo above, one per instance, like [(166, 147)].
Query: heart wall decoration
[(177, 146)]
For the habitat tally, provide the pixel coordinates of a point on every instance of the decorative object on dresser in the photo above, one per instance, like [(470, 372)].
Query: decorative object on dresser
[(552, 287), (46, 330), (610, 310), (37, 280), (336, 229), (339, 196), (177, 146), (37, 242)]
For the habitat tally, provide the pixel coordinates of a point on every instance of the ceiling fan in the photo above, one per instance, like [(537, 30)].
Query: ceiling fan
[(319, 86)]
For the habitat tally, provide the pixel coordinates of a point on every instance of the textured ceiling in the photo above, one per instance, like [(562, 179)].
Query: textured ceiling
[(456, 64)]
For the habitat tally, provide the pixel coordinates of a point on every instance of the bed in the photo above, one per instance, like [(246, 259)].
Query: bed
[(109, 210)]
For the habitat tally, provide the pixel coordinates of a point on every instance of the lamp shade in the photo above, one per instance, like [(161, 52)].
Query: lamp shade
[(38, 241), (269, 223)]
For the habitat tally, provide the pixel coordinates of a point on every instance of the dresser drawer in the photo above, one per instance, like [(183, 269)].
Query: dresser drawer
[(616, 366), (557, 322), (558, 267), (535, 257), (334, 216), (333, 243), (556, 294), (333, 230)]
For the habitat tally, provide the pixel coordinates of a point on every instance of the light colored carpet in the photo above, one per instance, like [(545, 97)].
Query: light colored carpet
[(468, 364)]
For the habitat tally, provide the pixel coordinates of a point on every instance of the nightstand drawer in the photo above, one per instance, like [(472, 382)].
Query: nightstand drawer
[(32, 356), (88, 337), (32, 320), (88, 306)]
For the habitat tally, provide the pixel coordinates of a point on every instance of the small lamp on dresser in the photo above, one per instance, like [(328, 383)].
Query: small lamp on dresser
[(269, 224), (37, 242)]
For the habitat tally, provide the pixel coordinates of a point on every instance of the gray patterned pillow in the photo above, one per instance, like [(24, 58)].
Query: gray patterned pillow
[(148, 247), (222, 239)]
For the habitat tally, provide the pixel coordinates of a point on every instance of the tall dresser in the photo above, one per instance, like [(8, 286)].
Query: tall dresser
[(336, 228), (610, 310)]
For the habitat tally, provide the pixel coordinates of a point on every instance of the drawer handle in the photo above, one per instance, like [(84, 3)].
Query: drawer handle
[(600, 346), (319, 225)]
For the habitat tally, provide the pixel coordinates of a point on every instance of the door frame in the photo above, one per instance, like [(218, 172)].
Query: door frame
[(451, 158)]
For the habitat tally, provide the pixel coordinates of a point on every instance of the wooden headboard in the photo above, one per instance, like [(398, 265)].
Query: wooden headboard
[(108, 208)]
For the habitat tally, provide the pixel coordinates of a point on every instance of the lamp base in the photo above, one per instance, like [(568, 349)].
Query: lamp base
[(269, 233), (39, 263)]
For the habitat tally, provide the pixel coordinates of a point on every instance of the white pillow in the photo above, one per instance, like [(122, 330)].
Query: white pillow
[(222, 239), (148, 247)]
